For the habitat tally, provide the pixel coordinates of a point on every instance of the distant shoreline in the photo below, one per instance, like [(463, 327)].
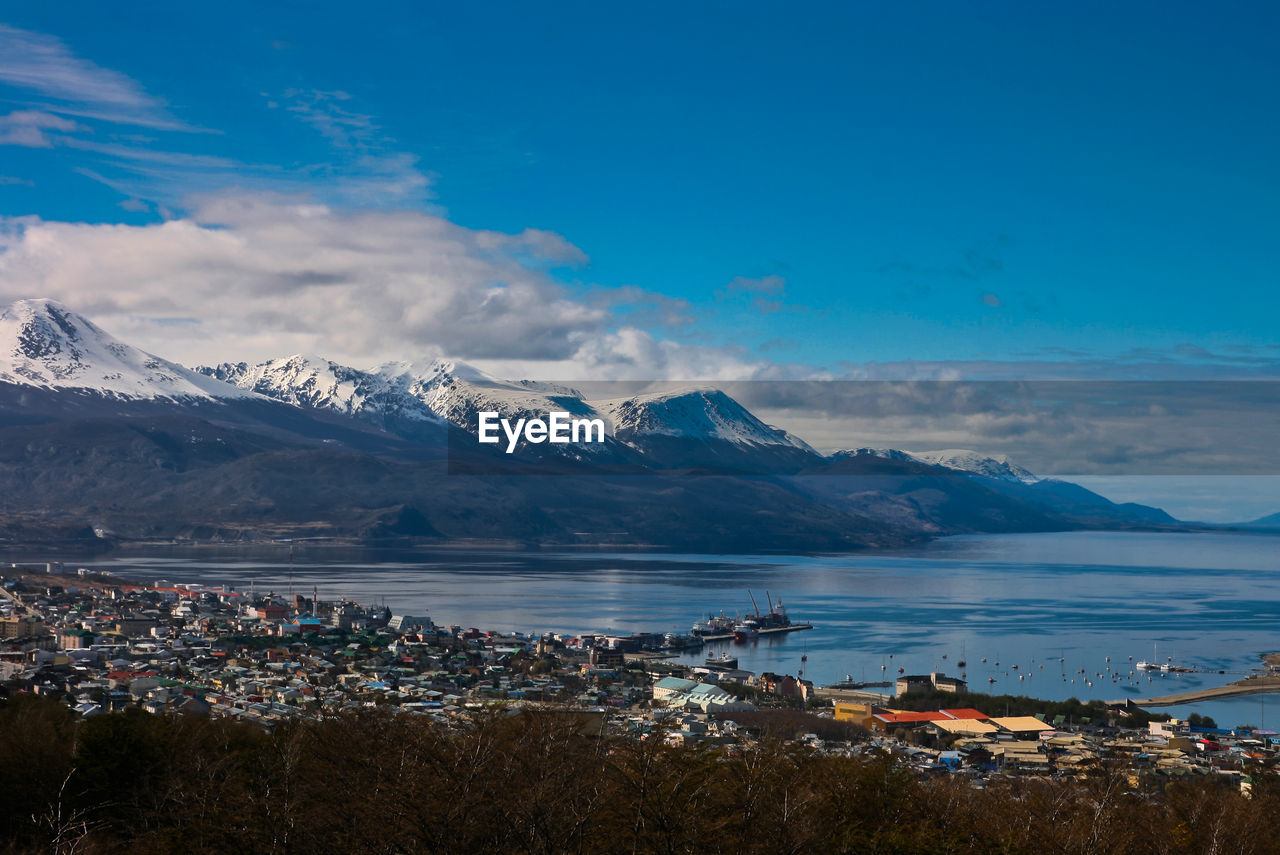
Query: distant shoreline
[(1259, 684), (86, 547)]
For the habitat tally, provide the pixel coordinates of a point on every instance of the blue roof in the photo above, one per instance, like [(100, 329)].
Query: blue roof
[(675, 684)]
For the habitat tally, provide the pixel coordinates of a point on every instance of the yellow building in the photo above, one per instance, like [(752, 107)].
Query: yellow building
[(859, 714)]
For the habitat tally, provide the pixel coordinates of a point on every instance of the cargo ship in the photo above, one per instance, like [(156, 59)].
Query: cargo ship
[(743, 629)]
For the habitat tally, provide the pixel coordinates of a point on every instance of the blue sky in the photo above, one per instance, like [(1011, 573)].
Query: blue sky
[(745, 186)]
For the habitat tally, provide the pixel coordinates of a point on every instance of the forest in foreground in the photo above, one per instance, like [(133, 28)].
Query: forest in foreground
[(383, 783)]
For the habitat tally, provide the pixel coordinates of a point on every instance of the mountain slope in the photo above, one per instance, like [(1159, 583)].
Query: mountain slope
[(898, 490), (703, 428), (1034, 500), (45, 345)]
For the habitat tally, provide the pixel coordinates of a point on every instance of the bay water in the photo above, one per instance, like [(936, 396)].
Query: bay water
[(1074, 612)]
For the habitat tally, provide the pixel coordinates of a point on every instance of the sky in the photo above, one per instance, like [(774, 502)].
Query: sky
[(702, 191)]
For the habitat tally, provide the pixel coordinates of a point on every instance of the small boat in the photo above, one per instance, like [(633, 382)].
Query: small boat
[(723, 662)]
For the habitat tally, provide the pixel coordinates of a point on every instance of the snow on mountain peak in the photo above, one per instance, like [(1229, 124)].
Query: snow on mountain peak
[(883, 453), (963, 460), (313, 381), (44, 344), (960, 460), (425, 371), (447, 371), (699, 412)]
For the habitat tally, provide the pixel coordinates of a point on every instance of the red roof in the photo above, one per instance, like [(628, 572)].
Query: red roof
[(910, 717), (965, 714)]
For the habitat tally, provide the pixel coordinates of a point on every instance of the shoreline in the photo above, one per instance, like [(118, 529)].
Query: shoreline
[(74, 549), (1257, 684)]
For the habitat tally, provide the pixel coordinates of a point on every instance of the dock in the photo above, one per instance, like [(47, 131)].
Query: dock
[(728, 636)]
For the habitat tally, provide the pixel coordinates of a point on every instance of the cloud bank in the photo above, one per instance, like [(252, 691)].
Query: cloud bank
[(255, 276)]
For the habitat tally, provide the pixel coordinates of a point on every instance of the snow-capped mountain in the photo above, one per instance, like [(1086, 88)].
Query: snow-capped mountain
[(403, 397), (45, 345), (312, 381), (452, 392), (999, 467), (699, 428), (883, 453), (457, 393), (704, 414), (90, 423)]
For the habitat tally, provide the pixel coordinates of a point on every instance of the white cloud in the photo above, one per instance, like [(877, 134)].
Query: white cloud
[(630, 353), (369, 170), (267, 275), (31, 128), (366, 168), (44, 65), (327, 113)]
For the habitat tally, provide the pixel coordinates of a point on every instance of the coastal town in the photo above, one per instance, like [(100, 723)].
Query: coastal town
[(104, 644)]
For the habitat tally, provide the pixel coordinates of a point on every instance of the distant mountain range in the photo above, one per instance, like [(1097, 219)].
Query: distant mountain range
[(99, 440)]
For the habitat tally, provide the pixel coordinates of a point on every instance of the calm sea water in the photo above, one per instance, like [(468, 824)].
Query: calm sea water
[(1055, 605)]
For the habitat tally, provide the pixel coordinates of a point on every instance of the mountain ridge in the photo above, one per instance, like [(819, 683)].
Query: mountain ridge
[(102, 431)]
